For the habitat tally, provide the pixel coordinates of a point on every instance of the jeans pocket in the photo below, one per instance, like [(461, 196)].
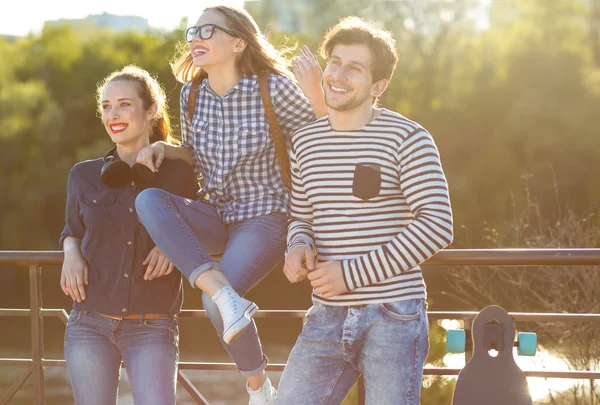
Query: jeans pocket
[(409, 310), (74, 318), (314, 309), (164, 324)]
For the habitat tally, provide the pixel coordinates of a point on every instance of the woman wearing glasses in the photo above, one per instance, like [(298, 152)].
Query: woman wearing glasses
[(241, 211)]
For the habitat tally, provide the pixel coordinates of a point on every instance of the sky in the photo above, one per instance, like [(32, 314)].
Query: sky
[(23, 17)]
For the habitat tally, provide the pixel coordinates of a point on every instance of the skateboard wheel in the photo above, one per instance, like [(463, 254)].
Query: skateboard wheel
[(456, 341), (527, 344)]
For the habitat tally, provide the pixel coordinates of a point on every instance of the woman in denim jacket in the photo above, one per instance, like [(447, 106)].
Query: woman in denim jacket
[(126, 296)]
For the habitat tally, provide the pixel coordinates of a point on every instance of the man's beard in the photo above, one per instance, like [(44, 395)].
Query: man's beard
[(348, 105)]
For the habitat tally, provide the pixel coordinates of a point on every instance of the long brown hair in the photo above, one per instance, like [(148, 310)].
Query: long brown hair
[(151, 92), (259, 55)]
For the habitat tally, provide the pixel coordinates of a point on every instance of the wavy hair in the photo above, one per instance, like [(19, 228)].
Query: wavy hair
[(259, 55)]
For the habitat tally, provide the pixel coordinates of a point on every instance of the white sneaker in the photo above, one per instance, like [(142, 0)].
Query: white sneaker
[(265, 395), (236, 312)]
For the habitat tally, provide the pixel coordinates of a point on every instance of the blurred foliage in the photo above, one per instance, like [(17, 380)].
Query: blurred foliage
[(514, 101)]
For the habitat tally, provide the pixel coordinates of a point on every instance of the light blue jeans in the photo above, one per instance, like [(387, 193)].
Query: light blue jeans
[(95, 346), (387, 343), (189, 231)]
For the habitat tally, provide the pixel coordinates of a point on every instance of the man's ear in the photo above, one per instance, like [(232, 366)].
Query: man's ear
[(379, 87), (240, 45)]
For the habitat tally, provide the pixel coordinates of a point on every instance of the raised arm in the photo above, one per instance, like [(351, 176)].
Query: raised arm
[(308, 72), (153, 155)]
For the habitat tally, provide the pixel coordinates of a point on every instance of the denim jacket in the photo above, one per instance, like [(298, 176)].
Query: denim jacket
[(115, 244)]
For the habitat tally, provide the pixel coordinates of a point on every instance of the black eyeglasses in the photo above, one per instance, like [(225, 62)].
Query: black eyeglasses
[(205, 31)]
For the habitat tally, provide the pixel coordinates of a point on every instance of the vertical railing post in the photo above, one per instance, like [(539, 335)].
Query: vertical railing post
[(37, 332), (469, 339)]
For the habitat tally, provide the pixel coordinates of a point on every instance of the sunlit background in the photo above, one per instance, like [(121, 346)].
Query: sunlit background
[(25, 17)]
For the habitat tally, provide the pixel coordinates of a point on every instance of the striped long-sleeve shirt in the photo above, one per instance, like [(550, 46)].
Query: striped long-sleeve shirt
[(375, 199)]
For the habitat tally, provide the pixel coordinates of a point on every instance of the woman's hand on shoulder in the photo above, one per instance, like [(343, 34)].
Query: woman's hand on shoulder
[(308, 72), (152, 156), (158, 264), (74, 275)]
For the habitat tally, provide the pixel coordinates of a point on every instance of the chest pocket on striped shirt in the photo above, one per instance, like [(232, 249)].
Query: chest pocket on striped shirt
[(367, 181), (252, 136)]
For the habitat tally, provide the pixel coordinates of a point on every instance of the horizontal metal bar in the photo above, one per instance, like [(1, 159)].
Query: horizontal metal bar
[(585, 374), (574, 375), (295, 314), (59, 313), (14, 312), (517, 316), (29, 257), (515, 257), (446, 257), (15, 362), (292, 313), (442, 371), (46, 312)]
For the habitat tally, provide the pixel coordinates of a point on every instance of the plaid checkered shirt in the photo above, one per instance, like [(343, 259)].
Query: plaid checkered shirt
[(233, 148)]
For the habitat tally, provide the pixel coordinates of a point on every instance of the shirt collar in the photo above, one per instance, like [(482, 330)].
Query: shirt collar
[(112, 152), (245, 85)]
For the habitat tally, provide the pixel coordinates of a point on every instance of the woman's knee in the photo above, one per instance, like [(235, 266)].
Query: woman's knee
[(147, 200)]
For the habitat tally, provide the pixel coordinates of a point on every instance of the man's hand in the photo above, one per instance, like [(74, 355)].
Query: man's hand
[(158, 264), (299, 262), (152, 156), (74, 275), (328, 279)]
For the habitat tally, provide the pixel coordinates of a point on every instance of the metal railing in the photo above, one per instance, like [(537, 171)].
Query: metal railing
[(34, 367)]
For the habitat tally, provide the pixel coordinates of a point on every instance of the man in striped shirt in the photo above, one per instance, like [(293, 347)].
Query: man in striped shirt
[(369, 204)]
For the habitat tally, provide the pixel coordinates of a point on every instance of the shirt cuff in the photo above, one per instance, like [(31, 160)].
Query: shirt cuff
[(348, 268), (300, 242)]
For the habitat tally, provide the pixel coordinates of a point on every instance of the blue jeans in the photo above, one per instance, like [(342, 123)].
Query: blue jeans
[(188, 232), (387, 343), (95, 346)]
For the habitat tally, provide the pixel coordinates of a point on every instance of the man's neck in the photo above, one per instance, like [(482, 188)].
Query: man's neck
[(353, 119), (223, 78)]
